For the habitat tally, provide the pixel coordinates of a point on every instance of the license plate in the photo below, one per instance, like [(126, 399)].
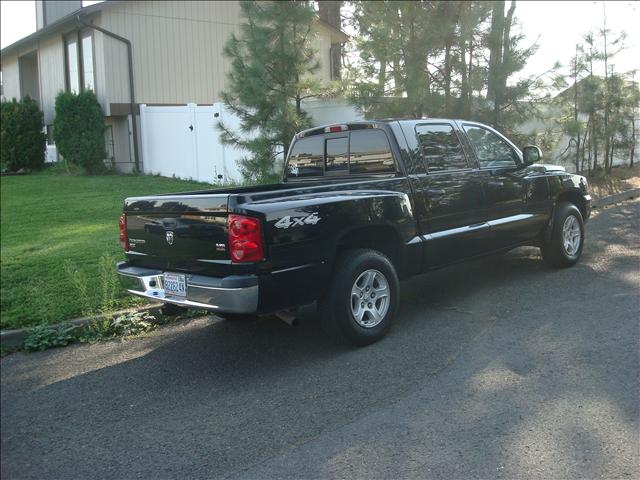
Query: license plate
[(175, 285)]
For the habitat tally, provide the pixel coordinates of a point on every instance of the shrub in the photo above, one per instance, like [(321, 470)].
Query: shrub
[(22, 141), (78, 130)]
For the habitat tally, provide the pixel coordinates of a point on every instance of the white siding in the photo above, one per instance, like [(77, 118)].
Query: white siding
[(10, 77), (322, 46), (177, 50), (50, 54), (51, 66)]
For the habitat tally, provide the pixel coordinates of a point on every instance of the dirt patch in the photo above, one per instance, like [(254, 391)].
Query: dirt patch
[(621, 179)]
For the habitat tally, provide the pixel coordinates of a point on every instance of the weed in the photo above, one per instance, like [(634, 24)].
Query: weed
[(109, 284), (80, 284), (44, 337), (133, 324), (99, 329)]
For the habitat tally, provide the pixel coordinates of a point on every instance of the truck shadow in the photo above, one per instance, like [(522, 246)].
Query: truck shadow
[(231, 394)]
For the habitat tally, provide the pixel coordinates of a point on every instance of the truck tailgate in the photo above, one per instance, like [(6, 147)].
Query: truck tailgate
[(178, 231)]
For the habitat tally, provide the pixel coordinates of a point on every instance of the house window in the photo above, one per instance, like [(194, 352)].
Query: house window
[(49, 133), (88, 75), (80, 69), (73, 72)]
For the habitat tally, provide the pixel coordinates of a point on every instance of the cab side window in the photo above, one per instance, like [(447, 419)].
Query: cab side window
[(307, 158), (491, 150), (441, 148), (370, 152)]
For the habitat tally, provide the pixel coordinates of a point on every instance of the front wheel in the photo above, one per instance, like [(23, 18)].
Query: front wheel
[(563, 245), (363, 298)]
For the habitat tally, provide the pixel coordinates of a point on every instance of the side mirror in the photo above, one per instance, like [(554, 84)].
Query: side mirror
[(531, 154)]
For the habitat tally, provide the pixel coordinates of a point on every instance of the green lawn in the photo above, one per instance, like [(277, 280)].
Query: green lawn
[(59, 243)]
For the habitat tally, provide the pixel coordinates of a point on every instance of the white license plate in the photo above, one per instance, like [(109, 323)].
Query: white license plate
[(175, 285)]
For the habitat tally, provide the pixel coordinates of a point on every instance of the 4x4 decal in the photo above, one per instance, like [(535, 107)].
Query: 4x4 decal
[(289, 221)]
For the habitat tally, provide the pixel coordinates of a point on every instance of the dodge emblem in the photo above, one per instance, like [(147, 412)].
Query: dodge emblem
[(169, 237)]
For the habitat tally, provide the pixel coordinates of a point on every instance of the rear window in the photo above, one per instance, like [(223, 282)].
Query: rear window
[(356, 152), (337, 154), (307, 158)]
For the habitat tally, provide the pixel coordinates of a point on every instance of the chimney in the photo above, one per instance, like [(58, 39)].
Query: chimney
[(329, 12), (48, 11)]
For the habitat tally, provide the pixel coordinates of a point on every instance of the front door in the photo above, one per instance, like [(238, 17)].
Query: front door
[(450, 187), (516, 200)]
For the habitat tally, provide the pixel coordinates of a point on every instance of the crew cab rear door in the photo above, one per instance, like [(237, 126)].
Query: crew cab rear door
[(450, 190)]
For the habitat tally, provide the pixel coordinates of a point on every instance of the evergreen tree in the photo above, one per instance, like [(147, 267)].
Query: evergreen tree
[(441, 59), (272, 63)]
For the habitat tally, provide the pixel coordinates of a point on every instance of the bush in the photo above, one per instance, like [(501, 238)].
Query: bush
[(22, 141), (78, 130)]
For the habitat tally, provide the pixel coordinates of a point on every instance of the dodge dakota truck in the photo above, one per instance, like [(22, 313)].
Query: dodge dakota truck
[(360, 206)]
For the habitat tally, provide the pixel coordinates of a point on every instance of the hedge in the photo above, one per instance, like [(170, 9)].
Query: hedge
[(22, 140)]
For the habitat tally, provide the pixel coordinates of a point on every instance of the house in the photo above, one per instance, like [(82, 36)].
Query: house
[(176, 50)]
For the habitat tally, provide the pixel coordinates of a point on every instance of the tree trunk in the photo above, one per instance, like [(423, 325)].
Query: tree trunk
[(464, 79), (575, 106), (633, 141), (382, 76), (469, 103), (605, 57), (495, 46), (447, 78)]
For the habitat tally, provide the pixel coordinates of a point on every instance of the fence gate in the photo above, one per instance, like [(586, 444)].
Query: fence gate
[(183, 141)]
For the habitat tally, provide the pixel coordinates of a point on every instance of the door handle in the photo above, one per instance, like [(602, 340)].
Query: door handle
[(435, 192), (495, 184)]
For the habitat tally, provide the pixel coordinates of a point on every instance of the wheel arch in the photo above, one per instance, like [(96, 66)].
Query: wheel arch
[(383, 238), (574, 196)]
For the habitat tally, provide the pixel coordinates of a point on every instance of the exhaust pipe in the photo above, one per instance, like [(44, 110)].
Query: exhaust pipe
[(287, 318)]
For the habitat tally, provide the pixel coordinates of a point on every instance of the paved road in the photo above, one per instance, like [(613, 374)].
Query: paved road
[(499, 368)]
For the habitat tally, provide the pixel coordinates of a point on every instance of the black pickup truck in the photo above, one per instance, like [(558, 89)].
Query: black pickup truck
[(361, 206)]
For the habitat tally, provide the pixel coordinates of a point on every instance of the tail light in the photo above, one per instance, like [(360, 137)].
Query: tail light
[(245, 239), (124, 238)]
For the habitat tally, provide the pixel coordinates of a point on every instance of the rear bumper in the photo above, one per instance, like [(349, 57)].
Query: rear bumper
[(233, 294)]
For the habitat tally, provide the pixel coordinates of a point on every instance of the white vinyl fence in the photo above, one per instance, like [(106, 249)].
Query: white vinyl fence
[(183, 141)]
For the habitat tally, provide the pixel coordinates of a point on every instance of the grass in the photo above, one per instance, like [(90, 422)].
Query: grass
[(59, 243)]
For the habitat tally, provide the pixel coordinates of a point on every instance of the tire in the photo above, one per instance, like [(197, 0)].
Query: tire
[(560, 247), (360, 274)]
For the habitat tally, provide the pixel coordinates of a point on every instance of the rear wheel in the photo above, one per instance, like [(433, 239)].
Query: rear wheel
[(362, 300), (562, 246)]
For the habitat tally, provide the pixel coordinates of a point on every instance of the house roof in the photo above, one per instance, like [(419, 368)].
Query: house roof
[(336, 33), (72, 18), (58, 25)]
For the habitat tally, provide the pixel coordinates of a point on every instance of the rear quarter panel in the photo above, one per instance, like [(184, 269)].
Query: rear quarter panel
[(301, 248)]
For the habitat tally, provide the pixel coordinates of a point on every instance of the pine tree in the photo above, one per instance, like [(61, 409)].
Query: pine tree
[(272, 66), (441, 59)]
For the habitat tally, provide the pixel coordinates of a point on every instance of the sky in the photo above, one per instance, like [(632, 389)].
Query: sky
[(556, 25)]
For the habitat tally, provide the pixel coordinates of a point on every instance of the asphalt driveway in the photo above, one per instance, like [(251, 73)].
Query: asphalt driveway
[(497, 368)]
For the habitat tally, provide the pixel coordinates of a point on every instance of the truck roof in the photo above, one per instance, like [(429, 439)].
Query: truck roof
[(362, 124)]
